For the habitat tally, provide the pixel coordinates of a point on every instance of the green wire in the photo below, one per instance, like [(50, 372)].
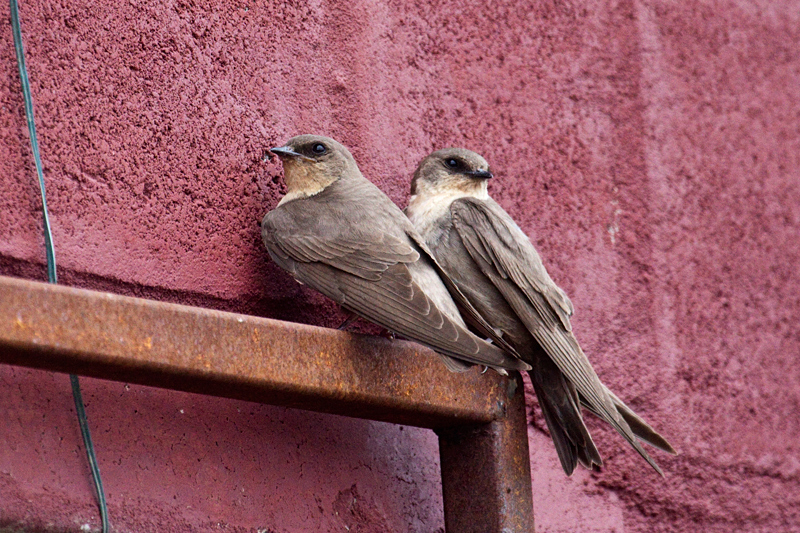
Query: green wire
[(51, 259), (26, 92), (87, 442)]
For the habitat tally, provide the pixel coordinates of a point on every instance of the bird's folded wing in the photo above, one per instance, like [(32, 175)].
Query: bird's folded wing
[(363, 258), (468, 311), (372, 279), (514, 267)]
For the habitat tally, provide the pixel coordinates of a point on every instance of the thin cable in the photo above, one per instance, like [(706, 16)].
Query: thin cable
[(51, 259), (26, 93), (87, 442)]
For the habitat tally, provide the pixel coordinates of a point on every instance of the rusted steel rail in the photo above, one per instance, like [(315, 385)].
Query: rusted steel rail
[(480, 419)]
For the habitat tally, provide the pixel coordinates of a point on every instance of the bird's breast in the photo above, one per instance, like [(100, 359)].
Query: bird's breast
[(426, 212)]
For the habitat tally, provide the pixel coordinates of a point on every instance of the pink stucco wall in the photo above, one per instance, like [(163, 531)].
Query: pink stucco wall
[(651, 149)]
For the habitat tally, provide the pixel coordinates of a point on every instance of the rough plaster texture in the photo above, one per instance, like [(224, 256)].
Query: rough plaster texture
[(651, 149)]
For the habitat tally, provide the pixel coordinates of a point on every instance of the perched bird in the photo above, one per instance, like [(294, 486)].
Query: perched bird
[(338, 233), (496, 267)]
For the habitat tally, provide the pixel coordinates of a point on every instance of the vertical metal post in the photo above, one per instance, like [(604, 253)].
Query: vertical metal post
[(486, 477)]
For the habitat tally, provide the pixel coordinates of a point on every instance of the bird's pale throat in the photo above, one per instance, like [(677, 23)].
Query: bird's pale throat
[(303, 179)]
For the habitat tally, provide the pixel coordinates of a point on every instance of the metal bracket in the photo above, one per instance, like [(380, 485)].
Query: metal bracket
[(480, 419)]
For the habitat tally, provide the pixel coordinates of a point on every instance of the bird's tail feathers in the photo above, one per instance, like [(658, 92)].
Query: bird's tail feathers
[(640, 428), (559, 403), (631, 432)]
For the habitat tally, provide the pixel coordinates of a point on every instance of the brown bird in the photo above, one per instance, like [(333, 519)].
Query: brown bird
[(496, 267), (338, 233)]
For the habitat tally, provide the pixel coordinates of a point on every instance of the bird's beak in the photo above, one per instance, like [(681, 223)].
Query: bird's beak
[(286, 152), (481, 174)]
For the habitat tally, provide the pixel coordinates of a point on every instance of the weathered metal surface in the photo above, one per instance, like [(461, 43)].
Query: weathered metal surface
[(486, 476), (237, 356), (480, 418)]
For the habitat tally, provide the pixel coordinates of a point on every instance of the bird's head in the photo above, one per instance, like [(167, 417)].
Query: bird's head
[(451, 171), (312, 162)]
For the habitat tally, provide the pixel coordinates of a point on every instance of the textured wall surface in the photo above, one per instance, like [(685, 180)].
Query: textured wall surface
[(650, 149)]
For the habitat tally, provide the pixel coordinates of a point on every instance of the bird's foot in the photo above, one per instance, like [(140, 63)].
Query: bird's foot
[(387, 334)]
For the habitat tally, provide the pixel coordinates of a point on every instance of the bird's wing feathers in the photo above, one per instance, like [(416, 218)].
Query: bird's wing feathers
[(504, 244), (370, 276), (512, 264), (515, 273), (467, 309), (363, 258)]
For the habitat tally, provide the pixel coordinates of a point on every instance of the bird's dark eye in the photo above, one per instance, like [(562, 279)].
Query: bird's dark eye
[(452, 163), (319, 149)]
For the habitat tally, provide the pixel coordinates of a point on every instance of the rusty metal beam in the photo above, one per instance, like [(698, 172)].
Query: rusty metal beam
[(236, 356), (480, 419)]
